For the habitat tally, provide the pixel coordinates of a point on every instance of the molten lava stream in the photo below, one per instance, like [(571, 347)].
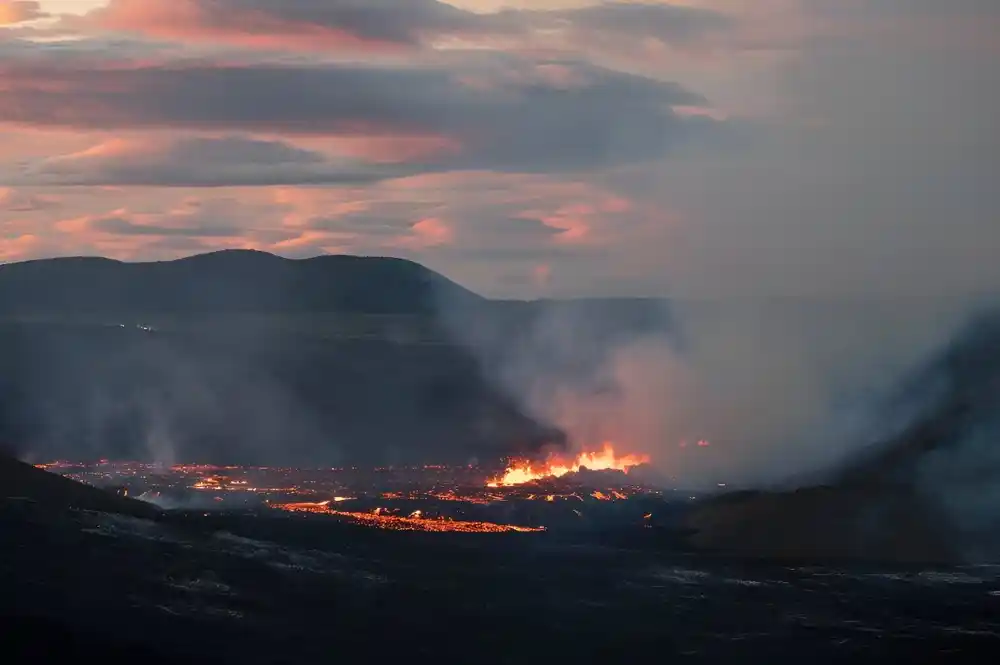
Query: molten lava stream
[(415, 521), (524, 471)]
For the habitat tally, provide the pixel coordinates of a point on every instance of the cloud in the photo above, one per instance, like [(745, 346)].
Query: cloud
[(877, 177), (295, 24), (192, 219), (198, 162), (187, 226), (877, 158), (337, 25), (12, 200), (504, 113), (20, 11), (503, 230), (669, 23)]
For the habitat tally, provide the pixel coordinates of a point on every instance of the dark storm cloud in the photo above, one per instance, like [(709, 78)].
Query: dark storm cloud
[(509, 115)]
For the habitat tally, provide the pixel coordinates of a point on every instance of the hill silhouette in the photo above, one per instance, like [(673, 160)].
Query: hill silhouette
[(225, 281), (23, 482)]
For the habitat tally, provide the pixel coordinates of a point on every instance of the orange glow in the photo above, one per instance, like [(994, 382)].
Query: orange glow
[(381, 519), (524, 471), (610, 495)]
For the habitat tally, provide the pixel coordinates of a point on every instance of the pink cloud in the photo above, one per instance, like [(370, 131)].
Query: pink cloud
[(542, 274), (431, 232), (387, 148), (391, 115), (20, 247), (472, 225), (199, 160), (402, 27), (12, 200), (243, 25)]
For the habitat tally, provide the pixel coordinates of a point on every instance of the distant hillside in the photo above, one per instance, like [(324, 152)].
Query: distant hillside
[(23, 482), (226, 281)]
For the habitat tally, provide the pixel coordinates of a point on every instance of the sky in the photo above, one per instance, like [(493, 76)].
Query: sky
[(528, 148)]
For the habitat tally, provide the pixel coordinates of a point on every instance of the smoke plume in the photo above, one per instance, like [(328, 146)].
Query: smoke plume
[(777, 390)]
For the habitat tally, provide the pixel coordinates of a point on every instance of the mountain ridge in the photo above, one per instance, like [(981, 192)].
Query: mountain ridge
[(228, 280)]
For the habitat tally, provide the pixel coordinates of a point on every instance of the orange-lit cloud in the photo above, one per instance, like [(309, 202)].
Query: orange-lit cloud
[(426, 233), (19, 11)]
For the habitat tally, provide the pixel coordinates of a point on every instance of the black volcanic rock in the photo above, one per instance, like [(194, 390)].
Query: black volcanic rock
[(231, 280)]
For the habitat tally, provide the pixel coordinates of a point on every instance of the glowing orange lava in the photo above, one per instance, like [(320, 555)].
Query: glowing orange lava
[(524, 471), (380, 518)]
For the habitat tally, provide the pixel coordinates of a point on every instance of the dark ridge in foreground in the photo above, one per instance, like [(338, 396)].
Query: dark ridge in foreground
[(23, 482), (225, 281), (923, 494)]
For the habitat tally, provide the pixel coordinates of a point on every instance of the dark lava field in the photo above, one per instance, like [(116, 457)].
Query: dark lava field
[(281, 588)]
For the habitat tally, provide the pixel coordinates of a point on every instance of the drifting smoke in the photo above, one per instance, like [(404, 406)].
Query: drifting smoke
[(778, 390), (239, 358), (868, 217), (132, 393)]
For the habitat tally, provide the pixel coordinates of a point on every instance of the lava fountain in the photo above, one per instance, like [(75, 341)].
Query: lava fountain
[(525, 471)]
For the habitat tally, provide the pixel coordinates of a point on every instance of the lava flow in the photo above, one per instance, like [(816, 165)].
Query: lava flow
[(522, 471), (415, 521)]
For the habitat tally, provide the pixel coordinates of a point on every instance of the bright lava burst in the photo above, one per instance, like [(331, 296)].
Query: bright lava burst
[(415, 521), (525, 471)]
